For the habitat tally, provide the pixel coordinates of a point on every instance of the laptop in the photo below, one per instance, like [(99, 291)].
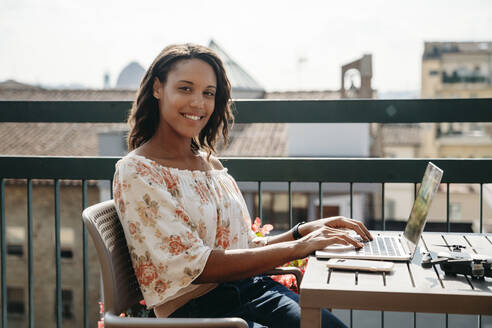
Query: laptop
[(391, 246)]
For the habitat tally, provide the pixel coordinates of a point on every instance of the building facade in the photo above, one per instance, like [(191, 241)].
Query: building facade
[(457, 70)]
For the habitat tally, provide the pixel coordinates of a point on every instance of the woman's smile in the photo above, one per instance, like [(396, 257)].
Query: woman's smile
[(192, 116)]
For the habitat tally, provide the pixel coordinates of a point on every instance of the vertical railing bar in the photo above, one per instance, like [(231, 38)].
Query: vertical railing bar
[(291, 224), (320, 195), (382, 206), (448, 222), (481, 207), (57, 255), (260, 205), (4, 253), (111, 188), (415, 197), (351, 200), (30, 253), (384, 228), (351, 216), (448, 228), (85, 259)]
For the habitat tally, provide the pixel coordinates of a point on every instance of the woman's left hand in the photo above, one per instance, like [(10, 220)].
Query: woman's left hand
[(337, 222)]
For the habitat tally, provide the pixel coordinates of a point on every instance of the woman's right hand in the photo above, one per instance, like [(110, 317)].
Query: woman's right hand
[(323, 237)]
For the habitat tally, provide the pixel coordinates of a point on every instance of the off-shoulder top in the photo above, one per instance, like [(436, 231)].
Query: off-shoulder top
[(173, 219)]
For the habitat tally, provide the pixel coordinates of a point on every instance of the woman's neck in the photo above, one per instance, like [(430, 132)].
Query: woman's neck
[(169, 145)]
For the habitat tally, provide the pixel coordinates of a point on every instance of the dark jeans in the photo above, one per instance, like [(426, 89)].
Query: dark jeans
[(260, 301)]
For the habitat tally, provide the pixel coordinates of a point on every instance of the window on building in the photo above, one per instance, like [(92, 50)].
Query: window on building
[(15, 301), (67, 304), (433, 72), (67, 237), (15, 241)]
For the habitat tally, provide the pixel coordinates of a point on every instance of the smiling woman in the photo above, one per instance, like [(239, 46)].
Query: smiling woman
[(182, 60), (186, 223)]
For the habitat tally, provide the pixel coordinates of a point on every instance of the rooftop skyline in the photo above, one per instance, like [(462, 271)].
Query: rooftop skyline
[(283, 45)]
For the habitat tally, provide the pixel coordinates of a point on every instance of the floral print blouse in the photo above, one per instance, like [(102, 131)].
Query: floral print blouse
[(172, 220)]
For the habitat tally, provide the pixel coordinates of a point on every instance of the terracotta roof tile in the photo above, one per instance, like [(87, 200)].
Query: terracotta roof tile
[(259, 139), (53, 139), (43, 94), (320, 94)]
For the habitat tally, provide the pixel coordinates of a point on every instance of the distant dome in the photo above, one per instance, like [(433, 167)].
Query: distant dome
[(130, 76)]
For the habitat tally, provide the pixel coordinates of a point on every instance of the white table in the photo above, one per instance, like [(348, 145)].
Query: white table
[(408, 288)]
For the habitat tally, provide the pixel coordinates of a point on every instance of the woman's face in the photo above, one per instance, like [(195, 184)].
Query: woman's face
[(187, 98)]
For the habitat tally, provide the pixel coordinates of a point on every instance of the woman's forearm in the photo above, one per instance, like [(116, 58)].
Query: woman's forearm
[(230, 265)]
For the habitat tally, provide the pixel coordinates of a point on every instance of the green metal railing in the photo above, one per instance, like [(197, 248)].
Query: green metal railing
[(290, 170)]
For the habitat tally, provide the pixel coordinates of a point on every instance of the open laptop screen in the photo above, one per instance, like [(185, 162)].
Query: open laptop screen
[(428, 188)]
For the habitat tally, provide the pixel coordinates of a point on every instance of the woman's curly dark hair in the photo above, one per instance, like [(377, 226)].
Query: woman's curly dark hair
[(144, 115)]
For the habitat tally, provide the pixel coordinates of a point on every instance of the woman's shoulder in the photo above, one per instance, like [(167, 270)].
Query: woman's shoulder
[(129, 158), (134, 162), (213, 161)]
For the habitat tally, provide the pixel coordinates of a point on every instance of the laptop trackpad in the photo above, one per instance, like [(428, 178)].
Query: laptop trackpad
[(339, 248)]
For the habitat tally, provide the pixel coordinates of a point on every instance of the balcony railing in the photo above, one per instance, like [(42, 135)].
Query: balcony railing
[(289, 170)]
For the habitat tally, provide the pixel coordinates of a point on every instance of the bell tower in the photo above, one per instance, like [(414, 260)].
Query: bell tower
[(356, 78)]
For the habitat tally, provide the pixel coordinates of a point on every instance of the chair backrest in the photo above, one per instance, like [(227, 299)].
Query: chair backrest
[(121, 289)]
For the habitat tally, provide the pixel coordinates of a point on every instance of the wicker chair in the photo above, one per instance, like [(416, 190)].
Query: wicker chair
[(121, 290)]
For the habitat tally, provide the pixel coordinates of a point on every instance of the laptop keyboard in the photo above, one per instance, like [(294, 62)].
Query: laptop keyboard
[(385, 246)]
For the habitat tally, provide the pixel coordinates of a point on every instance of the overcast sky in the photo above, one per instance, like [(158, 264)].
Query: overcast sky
[(57, 42)]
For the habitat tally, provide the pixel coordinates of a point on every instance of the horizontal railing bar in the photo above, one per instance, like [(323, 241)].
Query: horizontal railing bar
[(364, 111), (47, 167), (64, 111), (269, 111), (368, 170)]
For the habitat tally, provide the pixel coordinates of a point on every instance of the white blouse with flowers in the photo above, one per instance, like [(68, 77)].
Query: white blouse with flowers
[(172, 220)]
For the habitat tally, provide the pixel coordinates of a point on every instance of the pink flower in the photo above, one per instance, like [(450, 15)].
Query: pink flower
[(256, 225), (265, 230), (259, 230)]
